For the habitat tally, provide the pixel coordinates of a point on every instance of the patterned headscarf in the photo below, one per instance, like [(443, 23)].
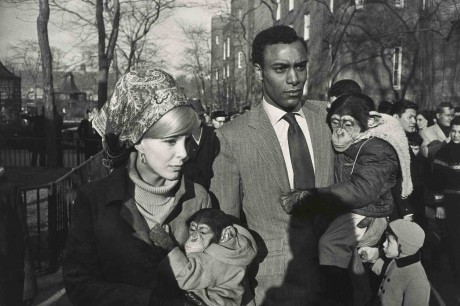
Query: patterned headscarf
[(139, 100)]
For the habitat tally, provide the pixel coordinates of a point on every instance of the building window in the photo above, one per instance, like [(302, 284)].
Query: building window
[(306, 27), (217, 75), (331, 6), (291, 5), (240, 59), (359, 4), (240, 14), (224, 73), (225, 50), (278, 10), (228, 71), (399, 3), (397, 67), (217, 40), (228, 46)]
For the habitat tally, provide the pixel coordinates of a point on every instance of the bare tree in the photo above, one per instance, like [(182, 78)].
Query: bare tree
[(197, 58), (52, 149)]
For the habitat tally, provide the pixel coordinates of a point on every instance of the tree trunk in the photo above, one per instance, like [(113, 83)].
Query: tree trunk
[(105, 56), (48, 89)]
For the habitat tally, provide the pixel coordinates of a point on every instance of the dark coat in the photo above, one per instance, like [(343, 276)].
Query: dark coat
[(365, 186), (109, 258), (198, 167)]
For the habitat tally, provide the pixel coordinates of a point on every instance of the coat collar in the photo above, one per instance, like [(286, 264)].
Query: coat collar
[(408, 260), (118, 190)]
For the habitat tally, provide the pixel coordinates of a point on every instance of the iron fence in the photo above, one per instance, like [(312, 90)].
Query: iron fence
[(49, 209)]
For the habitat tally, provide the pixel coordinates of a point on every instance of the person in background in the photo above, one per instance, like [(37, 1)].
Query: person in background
[(405, 111), (109, 258), (424, 120), (38, 141), (457, 111), (202, 150), (384, 107), (246, 109), (342, 87), (88, 136), (446, 166), (404, 278), (218, 119), (437, 135), (281, 144)]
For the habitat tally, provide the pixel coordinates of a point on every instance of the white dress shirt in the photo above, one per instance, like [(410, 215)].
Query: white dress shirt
[(281, 127)]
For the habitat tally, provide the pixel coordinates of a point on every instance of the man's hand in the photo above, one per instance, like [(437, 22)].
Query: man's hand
[(161, 238), (368, 254), (294, 199), (440, 212)]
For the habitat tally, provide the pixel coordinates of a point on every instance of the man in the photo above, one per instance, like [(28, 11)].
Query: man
[(256, 164), (202, 150), (437, 135), (218, 119), (345, 86), (88, 136), (406, 111)]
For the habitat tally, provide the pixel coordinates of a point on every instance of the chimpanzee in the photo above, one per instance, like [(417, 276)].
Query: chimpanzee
[(217, 253), (369, 147)]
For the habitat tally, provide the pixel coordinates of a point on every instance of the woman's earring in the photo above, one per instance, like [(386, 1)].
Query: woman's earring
[(143, 160)]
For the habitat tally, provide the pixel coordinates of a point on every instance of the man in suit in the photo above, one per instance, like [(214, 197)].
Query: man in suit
[(437, 135), (256, 164), (201, 151)]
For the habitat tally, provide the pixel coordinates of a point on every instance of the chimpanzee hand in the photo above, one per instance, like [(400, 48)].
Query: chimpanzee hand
[(295, 199), (161, 238)]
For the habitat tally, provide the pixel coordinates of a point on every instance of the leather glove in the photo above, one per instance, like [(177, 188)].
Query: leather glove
[(295, 199), (161, 238)]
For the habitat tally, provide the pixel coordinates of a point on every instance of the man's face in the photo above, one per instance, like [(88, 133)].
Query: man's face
[(455, 133), (284, 74), (407, 120), (218, 122), (445, 117)]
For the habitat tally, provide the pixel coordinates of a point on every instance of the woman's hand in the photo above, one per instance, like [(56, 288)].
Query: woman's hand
[(368, 254), (161, 238)]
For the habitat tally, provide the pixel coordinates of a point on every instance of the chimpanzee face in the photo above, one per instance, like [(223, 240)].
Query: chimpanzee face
[(200, 237), (345, 130)]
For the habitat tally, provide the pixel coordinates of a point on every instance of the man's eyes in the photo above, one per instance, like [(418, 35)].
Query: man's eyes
[(279, 69)]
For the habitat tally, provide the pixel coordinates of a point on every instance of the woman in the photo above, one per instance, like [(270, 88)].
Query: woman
[(424, 120), (109, 257)]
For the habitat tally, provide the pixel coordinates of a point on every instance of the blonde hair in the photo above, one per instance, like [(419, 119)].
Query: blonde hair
[(181, 120)]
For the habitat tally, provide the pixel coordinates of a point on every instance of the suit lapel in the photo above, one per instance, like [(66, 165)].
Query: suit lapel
[(266, 143), (131, 214), (314, 121)]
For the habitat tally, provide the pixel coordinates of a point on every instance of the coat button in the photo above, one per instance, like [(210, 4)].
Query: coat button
[(388, 279), (383, 290)]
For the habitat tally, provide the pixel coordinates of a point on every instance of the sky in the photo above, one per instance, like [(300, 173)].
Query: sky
[(18, 24)]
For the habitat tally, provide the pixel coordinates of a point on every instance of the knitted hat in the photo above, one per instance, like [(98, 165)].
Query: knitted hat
[(410, 235), (139, 99)]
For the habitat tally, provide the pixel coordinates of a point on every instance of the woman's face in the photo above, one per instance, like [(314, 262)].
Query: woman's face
[(421, 122), (164, 157)]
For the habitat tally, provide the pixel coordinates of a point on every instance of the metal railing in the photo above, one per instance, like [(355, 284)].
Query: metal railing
[(49, 209)]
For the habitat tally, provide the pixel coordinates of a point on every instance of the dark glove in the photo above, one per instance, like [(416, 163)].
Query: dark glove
[(366, 222), (295, 199), (162, 238)]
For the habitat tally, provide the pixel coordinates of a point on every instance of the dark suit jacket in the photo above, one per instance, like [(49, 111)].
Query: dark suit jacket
[(198, 167), (249, 177), (109, 258)]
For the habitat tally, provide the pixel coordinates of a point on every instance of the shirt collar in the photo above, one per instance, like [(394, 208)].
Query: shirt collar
[(276, 114)]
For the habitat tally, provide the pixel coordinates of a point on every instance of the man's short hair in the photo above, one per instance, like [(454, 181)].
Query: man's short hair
[(400, 107), (346, 86), (455, 121), (441, 106), (280, 34)]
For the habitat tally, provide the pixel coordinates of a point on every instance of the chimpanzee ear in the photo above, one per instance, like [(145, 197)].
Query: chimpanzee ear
[(228, 233), (374, 119)]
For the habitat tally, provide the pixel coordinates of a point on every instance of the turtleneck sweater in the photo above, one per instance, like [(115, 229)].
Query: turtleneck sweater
[(154, 203)]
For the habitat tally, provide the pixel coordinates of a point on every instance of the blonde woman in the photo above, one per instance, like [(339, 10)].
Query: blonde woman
[(109, 258)]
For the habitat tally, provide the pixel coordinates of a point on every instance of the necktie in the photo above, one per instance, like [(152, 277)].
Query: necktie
[(304, 175)]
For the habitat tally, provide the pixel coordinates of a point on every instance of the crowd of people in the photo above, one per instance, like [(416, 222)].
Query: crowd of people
[(294, 202)]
